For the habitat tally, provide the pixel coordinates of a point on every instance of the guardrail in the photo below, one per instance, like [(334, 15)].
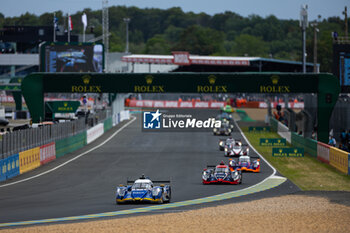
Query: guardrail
[(337, 158)]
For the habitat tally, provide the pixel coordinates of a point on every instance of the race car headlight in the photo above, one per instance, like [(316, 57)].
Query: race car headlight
[(225, 149), (205, 176), (120, 191), (215, 129), (256, 164), (221, 143), (235, 175), (229, 130), (156, 191)]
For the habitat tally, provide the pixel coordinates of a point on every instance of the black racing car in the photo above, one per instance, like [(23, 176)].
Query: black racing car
[(224, 129)]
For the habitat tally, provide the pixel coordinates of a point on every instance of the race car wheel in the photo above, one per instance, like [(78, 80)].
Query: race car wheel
[(168, 197)]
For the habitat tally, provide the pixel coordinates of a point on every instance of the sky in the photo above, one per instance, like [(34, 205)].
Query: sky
[(282, 9)]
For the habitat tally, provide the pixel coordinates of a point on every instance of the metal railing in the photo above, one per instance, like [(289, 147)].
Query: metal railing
[(16, 141)]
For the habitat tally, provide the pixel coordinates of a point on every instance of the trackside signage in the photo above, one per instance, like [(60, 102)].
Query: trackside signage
[(259, 129), (47, 153), (272, 141), (288, 152), (95, 132), (174, 120)]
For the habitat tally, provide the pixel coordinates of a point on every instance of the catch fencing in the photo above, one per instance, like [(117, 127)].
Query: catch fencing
[(16, 141)]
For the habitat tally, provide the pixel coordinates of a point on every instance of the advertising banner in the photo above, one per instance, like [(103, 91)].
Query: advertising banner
[(339, 159), (176, 104), (12, 166), (94, 132), (124, 115), (47, 153), (323, 152), (272, 141), (2, 170), (288, 152), (29, 160), (259, 129)]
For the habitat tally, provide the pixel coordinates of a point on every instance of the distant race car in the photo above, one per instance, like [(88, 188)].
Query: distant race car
[(225, 129), (143, 190), (244, 163), (236, 150), (225, 142), (221, 174), (225, 116)]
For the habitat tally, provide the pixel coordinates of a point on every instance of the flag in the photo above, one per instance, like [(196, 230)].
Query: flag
[(84, 21), (70, 23)]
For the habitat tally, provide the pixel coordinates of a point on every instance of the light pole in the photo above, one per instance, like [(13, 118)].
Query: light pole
[(304, 25), (315, 24), (127, 20), (345, 13)]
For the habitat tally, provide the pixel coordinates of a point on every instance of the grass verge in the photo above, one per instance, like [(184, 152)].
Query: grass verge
[(307, 173)]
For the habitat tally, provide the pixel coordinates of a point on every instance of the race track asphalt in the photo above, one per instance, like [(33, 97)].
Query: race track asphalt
[(87, 184)]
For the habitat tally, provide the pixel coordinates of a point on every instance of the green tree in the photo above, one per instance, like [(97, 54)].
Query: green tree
[(157, 45), (247, 45), (201, 41)]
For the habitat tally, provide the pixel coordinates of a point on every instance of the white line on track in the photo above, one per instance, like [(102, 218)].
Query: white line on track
[(250, 145), (71, 160)]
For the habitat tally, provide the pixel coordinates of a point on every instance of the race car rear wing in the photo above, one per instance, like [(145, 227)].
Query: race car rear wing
[(153, 181)]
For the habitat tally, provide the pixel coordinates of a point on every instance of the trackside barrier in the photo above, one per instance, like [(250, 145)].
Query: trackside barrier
[(309, 145), (95, 132), (12, 166), (116, 118), (70, 144), (29, 160), (47, 153), (284, 132), (175, 104), (274, 124), (323, 152), (3, 170), (339, 159), (124, 115), (107, 124), (335, 157)]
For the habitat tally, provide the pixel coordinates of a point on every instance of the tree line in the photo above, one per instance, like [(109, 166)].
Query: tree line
[(156, 31)]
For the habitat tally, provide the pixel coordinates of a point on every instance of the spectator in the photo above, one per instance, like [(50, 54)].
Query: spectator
[(335, 35), (343, 137), (332, 141), (279, 114), (348, 140), (314, 134)]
